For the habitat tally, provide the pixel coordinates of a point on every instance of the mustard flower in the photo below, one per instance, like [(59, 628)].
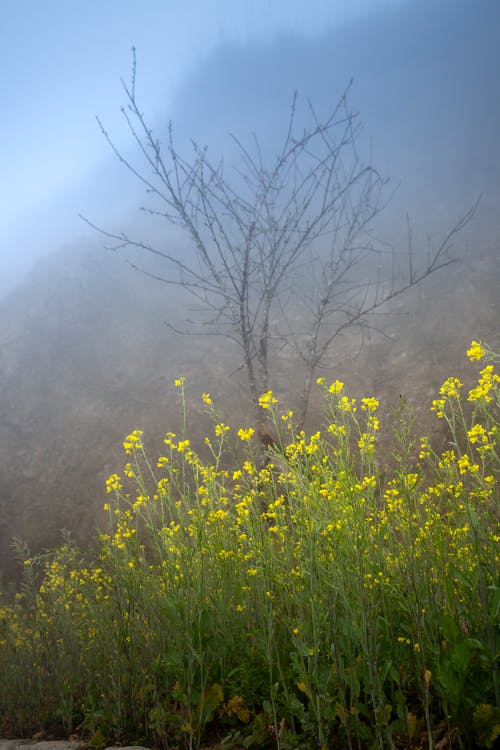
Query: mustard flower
[(312, 447), (477, 433), (205, 397), (335, 429), (336, 387), (476, 351), (267, 399), (347, 405), (485, 384), (113, 483), (366, 444), (369, 404), (246, 434), (438, 407), (141, 500), (451, 388), (133, 441), (464, 465), (424, 448), (179, 382)]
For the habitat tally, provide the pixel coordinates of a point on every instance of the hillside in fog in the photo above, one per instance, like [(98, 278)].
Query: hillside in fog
[(87, 357), (88, 346)]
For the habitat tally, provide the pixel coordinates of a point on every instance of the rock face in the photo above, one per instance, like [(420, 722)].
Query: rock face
[(87, 357), (52, 745), (44, 745)]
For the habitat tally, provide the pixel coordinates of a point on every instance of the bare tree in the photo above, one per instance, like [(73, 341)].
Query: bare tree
[(283, 253)]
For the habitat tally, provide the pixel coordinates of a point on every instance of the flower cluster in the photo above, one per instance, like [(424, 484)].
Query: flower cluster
[(313, 592)]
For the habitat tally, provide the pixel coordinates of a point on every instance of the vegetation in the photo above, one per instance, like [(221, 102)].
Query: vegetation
[(311, 602)]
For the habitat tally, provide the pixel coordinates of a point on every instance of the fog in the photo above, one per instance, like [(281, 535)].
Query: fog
[(87, 354), (62, 65)]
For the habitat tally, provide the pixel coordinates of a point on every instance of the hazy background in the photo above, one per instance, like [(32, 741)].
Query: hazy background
[(61, 64), (85, 353)]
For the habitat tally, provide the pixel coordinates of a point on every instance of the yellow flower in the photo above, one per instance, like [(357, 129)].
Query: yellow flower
[(451, 388), (335, 429), (141, 500), (477, 433), (205, 397), (424, 448), (179, 382), (369, 404), (220, 429), (485, 384), (249, 467), (346, 405), (267, 399), (133, 441), (366, 444), (438, 407), (313, 444), (246, 434), (465, 465), (336, 387), (113, 483), (476, 351)]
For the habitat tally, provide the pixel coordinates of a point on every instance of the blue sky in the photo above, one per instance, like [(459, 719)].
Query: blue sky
[(60, 64)]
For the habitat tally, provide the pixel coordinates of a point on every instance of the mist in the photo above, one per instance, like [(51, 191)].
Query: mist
[(89, 349)]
